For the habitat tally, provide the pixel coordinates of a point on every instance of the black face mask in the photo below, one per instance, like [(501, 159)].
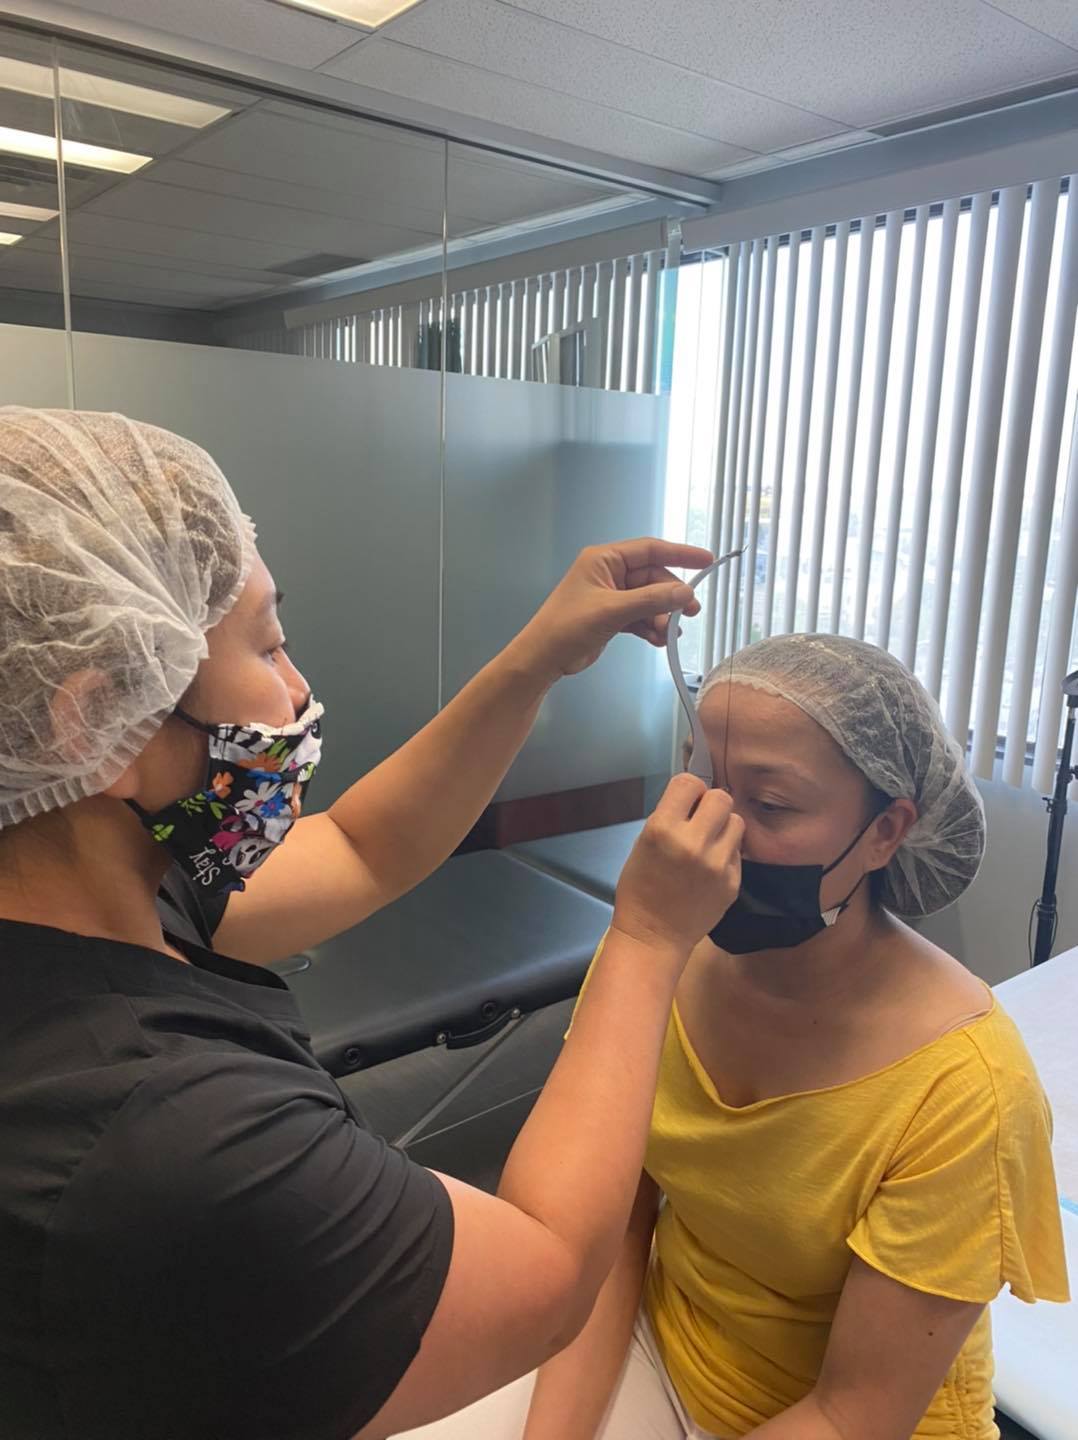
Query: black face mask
[(778, 906)]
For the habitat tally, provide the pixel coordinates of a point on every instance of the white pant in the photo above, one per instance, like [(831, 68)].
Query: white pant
[(644, 1406)]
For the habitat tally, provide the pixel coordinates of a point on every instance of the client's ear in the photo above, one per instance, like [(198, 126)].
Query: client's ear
[(889, 830), (71, 711)]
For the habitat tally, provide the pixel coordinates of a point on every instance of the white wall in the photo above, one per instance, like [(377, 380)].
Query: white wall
[(988, 928)]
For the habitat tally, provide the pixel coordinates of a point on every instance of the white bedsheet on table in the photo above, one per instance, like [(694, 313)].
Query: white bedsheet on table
[(1043, 1003), (1036, 1346)]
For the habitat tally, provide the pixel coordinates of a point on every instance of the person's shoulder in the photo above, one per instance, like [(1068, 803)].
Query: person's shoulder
[(202, 1108), (220, 1147), (932, 993), (980, 1069), (1006, 1064)]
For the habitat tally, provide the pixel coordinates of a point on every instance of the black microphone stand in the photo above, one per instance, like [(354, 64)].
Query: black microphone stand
[(1046, 909)]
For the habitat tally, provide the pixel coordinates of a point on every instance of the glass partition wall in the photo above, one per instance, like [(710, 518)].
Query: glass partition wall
[(431, 372), (34, 364), (555, 438)]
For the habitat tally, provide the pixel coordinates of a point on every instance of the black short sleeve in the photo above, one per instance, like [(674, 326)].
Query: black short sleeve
[(237, 1258)]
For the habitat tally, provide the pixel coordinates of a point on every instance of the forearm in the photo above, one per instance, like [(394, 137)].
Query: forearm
[(411, 812), (573, 1390), (804, 1421), (576, 1165)]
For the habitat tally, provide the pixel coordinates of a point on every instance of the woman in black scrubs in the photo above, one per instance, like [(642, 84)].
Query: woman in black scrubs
[(198, 1238)]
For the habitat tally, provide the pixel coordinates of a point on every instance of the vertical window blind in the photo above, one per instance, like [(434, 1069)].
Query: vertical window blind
[(892, 402), (491, 329)]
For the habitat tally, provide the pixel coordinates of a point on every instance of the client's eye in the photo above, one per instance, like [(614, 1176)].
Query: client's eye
[(770, 807)]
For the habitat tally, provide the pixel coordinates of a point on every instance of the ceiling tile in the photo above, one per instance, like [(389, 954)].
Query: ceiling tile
[(346, 204), (1058, 18), (504, 41), (305, 163), (402, 70), (862, 63), (271, 32), (279, 156), (482, 193), (168, 263), (495, 190), (152, 238), (132, 285), (129, 295), (85, 268), (247, 220)]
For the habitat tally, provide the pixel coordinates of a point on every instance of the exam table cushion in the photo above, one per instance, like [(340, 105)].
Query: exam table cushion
[(483, 937)]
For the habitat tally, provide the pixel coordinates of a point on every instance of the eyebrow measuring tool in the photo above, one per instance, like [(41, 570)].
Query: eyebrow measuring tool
[(700, 759)]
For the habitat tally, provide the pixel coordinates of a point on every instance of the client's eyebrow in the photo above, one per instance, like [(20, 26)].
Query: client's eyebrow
[(783, 769)]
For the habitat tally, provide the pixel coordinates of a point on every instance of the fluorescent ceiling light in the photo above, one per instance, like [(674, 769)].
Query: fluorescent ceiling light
[(368, 13), (26, 212), (76, 152), (28, 79), (7, 238)]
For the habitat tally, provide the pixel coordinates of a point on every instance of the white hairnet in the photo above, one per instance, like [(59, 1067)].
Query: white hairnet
[(120, 545), (890, 728)]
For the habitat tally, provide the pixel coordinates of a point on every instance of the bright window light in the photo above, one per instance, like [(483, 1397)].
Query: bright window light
[(76, 152), (26, 212), (27, 79), (368, 13), (7, 238)]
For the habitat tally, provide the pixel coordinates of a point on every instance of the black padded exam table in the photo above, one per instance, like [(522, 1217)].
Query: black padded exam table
[(590, 860), (483, 941)]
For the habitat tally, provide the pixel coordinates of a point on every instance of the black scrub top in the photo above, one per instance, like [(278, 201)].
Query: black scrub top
[(198, 1237)]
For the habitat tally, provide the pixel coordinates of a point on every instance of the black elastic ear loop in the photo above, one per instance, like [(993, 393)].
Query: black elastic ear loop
[(181, 714), (841, 906)]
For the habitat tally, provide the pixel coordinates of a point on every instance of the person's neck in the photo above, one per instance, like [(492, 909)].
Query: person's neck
[(840, 965), (90, 869)]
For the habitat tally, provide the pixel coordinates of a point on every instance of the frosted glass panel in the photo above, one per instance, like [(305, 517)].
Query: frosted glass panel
[(533, 473), (33, 366), (339, 466), (31, 286)]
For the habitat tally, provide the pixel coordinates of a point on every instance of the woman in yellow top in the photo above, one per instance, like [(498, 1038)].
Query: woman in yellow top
[(849, 1139)]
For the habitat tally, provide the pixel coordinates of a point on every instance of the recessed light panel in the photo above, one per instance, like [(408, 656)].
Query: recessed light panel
[(76, 152), (7, 238), (368, 13), (26, 212), (27, 79)]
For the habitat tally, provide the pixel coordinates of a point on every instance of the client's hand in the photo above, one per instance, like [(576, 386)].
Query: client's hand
[(625, 586), (684, 870)]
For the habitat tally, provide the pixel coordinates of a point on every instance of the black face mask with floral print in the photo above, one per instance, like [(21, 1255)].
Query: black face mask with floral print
[(256, 778)]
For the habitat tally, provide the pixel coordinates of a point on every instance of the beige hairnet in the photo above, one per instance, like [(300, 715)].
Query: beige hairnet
[(887, 724), (120, 546)]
